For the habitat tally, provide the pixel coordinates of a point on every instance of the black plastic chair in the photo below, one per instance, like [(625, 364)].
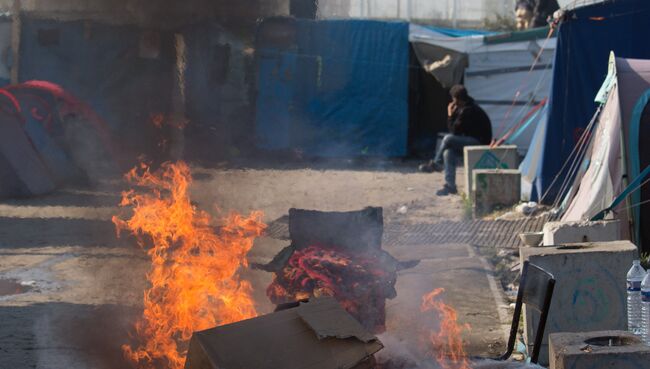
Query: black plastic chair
[(535, 290)]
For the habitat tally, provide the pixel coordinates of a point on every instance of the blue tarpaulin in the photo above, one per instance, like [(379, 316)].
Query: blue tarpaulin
[(340, 90), (584, 42), (454, 32)]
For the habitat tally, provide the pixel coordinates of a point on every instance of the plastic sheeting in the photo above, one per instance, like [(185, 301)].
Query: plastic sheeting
[(607, 164), (340, 90), (531, 164), (602, 181), (499, 72), (23, 172), (503, 84), (584, 42)]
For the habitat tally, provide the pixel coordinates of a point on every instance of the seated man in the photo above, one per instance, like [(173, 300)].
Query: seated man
[(468, 125)]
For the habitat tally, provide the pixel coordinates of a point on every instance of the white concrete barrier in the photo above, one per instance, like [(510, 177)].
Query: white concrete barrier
[(485, 157), (590, 290), (560, 233), (495, 188)]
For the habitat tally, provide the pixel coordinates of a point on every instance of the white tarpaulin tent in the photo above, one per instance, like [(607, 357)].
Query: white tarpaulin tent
[(497, 71), (608, 167)]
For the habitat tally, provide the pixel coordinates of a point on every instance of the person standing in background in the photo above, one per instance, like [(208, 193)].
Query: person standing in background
[(534, 13)]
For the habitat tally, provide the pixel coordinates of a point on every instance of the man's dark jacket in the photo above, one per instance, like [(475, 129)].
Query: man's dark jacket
[(472, 121)]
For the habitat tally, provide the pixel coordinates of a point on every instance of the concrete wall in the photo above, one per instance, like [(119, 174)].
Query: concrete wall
[(468, 12), (464, 13), (158, 13)]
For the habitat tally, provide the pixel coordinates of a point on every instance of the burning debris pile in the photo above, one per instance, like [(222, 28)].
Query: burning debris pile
[(195, 271), (196, 285), (338, 255), (359, 282)]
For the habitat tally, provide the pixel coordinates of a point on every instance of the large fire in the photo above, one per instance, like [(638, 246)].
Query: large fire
[(447, 343), (359, 282), (195, 272)]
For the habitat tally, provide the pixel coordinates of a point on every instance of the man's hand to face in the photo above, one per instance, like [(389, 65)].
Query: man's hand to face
[(451, 108)]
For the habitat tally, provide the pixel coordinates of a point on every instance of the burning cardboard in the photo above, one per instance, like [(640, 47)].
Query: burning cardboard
[(318, 334)]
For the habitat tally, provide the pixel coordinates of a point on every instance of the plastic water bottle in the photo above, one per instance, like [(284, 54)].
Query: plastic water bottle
[(634, 278), (645, 309)]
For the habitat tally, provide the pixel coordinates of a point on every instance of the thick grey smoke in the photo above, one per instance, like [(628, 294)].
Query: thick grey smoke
[(398, 354)]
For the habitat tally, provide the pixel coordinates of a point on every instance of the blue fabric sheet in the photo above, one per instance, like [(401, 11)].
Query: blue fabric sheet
[(583, 46), (341, 91), (453, 32)]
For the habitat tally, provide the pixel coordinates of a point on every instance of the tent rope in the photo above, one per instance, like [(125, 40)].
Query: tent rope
[(631, 206), (524, 82), (521, 122), (575, 165), (575, 148), (570, 177)]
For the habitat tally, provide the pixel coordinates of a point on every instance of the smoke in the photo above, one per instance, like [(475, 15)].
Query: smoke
[(398, 354), (86, 149), (81, 336)]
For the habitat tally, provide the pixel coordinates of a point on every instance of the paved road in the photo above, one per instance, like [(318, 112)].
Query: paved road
[(86, 285)]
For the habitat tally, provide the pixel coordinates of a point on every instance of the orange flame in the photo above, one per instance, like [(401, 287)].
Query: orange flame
[(157, 120), (447, 341), (195, 273)]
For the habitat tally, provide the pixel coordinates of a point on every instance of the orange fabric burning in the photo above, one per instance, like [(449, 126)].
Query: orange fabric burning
[(195, 273), (447, 342), (358, 282)]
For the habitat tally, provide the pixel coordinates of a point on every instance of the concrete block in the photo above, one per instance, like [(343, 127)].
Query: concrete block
[(590, 290), (560, 233), (495, 188), (596, 350), (484, 157)]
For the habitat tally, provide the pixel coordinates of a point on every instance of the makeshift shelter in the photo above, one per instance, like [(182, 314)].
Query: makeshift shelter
[(333, 88), (507, 73), (586, 35), (23, 172), (108, 65), (49, 138), (617, 151), (370, 95)]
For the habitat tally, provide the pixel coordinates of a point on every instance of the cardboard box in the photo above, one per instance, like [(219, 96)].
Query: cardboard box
[(318, 334)]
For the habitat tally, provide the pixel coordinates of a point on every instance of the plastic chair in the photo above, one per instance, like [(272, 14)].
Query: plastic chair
[(535, 290)]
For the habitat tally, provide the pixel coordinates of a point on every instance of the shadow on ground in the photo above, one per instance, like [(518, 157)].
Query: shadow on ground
[(43, 232), (64, 336)]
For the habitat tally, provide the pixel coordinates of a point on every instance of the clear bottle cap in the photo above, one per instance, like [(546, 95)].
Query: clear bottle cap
[(636, 262)]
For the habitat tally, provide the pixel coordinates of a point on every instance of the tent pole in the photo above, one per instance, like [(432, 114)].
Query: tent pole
[(625, 180), (15, 40)]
